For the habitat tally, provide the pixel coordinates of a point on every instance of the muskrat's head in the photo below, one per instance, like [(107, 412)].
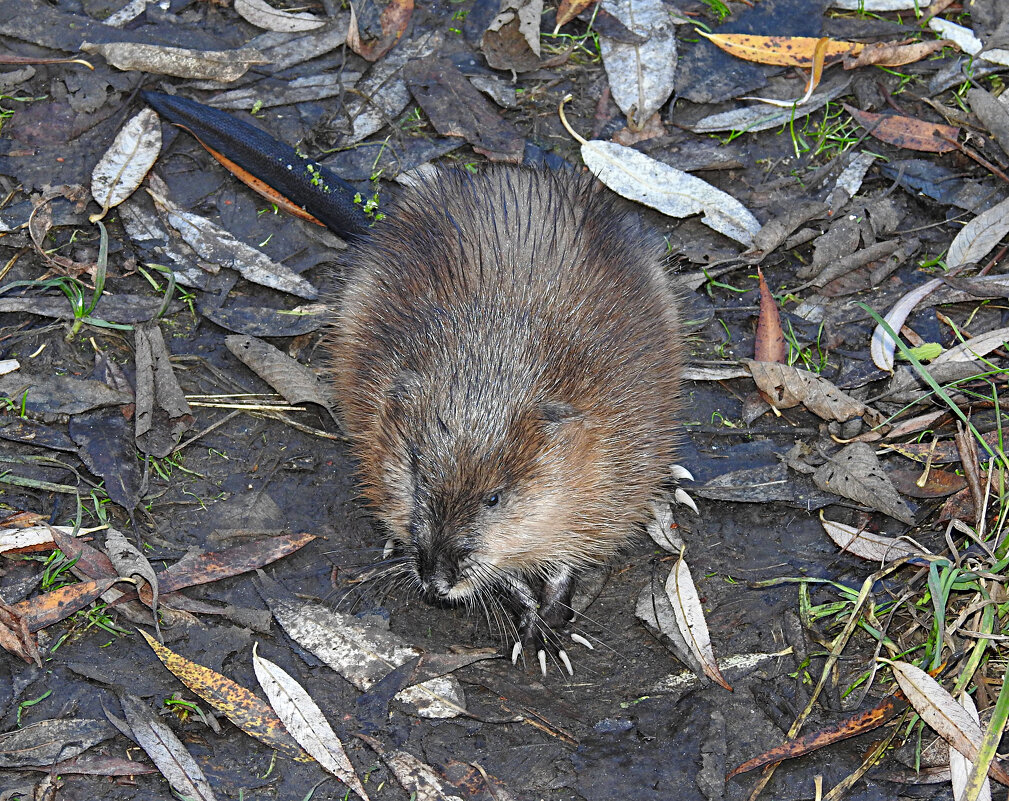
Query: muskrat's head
[(479, 485)]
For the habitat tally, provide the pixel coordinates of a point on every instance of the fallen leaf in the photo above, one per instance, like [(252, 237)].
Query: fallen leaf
[(216, 245), (212, 65), (129, 563), (241, 706), (978, 237), (567, 10), (52, 607), (166, 751), (361, 654), (122, 168), (512, 39), (815, 74), (456, 108), (106, 445), (305, 722), (162, 414), (855, 473), (967, 41), (690, 619), (786, 51), (295, 382), (882, 346), (638, 177), (769, 345), (894, 54), (908, 132), (762, 116), (867, 545), (393, 20), (787, 386), (48, 741), (263, 15), (418, 779), (942, 713), (858, 723), (960, 767), (641, 75)]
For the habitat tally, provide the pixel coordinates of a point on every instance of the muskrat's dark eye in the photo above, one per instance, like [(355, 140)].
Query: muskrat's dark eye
[(492, 500)]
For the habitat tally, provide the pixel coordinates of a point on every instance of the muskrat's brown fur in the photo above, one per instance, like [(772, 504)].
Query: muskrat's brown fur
[(506, 358)]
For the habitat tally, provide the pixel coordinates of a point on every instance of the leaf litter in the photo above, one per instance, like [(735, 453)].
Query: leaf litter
[(819, 368)]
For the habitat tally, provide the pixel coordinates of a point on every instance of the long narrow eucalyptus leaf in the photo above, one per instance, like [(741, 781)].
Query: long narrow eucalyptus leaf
[(920, 369)]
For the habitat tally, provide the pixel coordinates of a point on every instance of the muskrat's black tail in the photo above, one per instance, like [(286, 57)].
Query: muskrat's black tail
[(270, 167)]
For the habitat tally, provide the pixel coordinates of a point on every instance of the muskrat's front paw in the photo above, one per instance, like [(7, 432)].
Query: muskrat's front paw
[(680, 473), (546, 642)]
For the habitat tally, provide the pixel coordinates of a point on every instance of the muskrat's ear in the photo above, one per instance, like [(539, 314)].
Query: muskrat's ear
[(558, 411), (403, 386)]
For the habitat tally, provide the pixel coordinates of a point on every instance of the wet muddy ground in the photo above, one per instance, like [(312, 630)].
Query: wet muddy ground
[(628, 724)]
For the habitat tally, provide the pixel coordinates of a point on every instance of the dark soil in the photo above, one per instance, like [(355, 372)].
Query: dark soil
[(612, 731)]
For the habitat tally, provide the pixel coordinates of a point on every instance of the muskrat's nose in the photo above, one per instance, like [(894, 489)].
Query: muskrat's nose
[(437, 577)]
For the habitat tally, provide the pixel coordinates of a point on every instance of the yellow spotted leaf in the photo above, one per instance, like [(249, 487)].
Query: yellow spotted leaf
[(785, 51), (241, 706)]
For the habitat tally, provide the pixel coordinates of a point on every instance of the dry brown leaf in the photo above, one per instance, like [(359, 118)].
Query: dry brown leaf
[(855, 472), (789, 386), (394, 19), (894, 54), (769, 345), (567, 10), (909, 132)]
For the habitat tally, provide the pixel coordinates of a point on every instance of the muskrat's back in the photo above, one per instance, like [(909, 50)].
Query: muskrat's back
[(506, 358)]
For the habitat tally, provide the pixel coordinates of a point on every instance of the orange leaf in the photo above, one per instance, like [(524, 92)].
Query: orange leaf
[(241, 706), (52, 607), (909, 132), (786, 51), (849, 727), (395, 17), (770, 342), (567, 10)]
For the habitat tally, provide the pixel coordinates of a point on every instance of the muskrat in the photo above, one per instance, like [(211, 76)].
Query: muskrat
[(506, 359)]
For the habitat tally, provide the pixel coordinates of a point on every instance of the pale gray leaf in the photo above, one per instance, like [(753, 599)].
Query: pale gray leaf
[(263, 15), (689, 613), (216, 245), (364, 654), (122, 167), (305, 721), (641, 76), (166, 751), (977, 238), (869, 545), (641, 178), (218, 65), (882, 346)]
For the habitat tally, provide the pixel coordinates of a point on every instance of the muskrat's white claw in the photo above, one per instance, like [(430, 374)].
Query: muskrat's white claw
[(388, 549), (680, 473), (516, 651), (541, 655), (578, 638), (563, 656), (680, 496)]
